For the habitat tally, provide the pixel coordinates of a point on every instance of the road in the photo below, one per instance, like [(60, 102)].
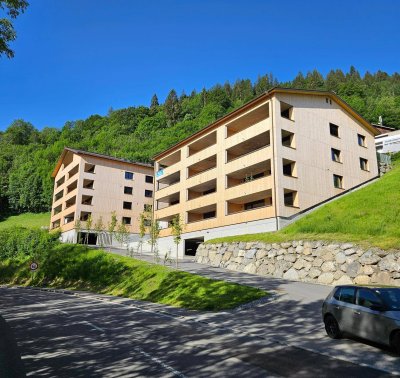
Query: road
[(65, 335)]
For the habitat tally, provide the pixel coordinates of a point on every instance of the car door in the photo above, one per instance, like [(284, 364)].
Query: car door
[(344, 308), (371, 324)]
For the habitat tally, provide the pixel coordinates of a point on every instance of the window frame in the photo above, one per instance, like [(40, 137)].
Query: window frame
[(146, 191), (124, 205), (128, 174), (341, 181), (147, 178), (333, 126), (363, 140), (128, 187)]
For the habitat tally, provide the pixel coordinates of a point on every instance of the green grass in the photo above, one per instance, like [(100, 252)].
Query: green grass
[(369, 217), (76, 267), (27, 220)]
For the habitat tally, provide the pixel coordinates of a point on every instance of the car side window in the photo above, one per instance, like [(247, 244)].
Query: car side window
[(347, 294), (367, 298), (336, 295)]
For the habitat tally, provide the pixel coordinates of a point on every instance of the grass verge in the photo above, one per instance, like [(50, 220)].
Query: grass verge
[(76, 267), (369, 217), (27, 220)]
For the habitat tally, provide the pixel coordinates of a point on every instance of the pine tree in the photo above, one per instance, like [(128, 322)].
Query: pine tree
[(154, 103), (172, 107)]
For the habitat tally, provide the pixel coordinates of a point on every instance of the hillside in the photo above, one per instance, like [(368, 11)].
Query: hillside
[(369, 216), (27, 220), (27, 156)]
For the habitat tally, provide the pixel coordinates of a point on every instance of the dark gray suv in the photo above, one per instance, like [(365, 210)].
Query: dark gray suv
[(369, 313)]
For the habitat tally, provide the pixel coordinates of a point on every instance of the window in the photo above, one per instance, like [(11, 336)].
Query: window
[(129, 175), (148, 193), (148, 207), (147, 222), (367, 298), (361, 140), (334, 129), (254, 204), (210, 214), (89, 168), (149, 179), (127, 205), (338, 181), (364, 164), (336, 155), (289, 167), (128, 190), (286, 111), (126, 220), (347, 294), (289, 198)]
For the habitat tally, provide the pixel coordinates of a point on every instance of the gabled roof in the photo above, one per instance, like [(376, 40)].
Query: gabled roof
[(262, 98), (94, 154)]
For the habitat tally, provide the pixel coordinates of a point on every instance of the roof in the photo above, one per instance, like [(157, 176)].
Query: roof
[(383, 129), (262, 98), (94, 154)]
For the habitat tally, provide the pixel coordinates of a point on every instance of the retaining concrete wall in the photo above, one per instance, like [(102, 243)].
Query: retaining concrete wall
[(309, 261)]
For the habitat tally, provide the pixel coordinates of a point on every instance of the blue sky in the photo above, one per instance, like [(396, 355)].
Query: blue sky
[(74, 58)]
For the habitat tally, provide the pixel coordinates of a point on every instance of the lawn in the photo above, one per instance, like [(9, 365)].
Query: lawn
[(369, 217), (27, 220), (78, 268)]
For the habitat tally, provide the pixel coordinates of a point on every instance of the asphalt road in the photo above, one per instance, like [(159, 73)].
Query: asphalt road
[(64, 335)]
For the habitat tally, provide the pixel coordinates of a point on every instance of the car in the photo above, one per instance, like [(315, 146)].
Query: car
[(369, 313)]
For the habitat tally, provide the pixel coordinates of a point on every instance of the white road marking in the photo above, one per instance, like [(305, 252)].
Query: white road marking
[(163, 364)]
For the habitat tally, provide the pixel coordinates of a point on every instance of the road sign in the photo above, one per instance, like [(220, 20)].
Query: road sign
[(33, 266)]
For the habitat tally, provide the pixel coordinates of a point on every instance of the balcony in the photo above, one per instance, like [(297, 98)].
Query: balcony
[(167, 181), (167, 162), (202, 143), (60, 182), (59, 195), (73, 171), (71, 187), (202, 189), (249, 174), (248, 146), (57, 210), (202, 166), (166, 222), (70, 202), (255, 116), (167, 201), (55, 224), (202, 213), (249, 202), (69, 218)]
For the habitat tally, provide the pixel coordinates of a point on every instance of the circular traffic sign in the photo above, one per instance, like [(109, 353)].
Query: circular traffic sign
[(33, 266)]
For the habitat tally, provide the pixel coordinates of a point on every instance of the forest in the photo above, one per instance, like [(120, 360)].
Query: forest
[(28, 155)]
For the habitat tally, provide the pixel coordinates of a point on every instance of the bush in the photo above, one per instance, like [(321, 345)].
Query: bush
[(20, 242)]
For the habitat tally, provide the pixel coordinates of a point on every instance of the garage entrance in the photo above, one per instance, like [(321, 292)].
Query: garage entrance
[(87, 238), (191, 246)]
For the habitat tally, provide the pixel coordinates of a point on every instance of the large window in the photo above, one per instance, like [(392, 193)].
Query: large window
[(127, 205), (128, 190), (334, 130), (336, 155), (364, 164), (338, 181), (129, 175), (361, 140), (126, 220)]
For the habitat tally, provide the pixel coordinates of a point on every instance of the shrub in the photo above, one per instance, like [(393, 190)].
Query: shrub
[(20, 242)]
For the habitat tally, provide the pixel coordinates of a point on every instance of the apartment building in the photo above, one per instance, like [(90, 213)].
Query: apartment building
[(90, 184), (258, 167)]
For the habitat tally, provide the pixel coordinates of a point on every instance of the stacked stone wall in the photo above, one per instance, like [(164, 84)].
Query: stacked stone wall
[(308, 261)]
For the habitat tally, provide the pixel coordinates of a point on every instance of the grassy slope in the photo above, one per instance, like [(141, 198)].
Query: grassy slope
[(75, 267), (28, 220), (369, 216)]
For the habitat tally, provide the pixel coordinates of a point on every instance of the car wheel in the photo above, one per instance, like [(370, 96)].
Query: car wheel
[(332, 327), (396, 342)]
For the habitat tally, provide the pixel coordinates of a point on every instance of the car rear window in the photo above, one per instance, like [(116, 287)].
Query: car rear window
[(346, 294)]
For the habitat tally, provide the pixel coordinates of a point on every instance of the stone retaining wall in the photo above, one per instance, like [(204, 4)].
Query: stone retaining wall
[(309, 261)]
